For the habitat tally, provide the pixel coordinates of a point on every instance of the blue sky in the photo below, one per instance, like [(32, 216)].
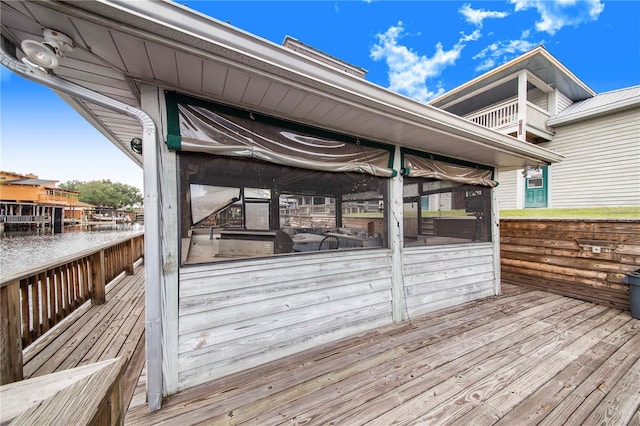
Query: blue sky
[(417, 48)]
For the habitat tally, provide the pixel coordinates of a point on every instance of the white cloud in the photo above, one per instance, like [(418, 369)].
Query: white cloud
[(408, 70), (476, 16), (336, 7), (501, 52), (558, 14)]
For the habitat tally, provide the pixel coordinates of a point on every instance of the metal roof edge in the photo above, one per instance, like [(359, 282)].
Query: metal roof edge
[(594, 112)]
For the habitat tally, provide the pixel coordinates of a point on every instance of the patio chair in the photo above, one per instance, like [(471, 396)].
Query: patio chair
[(330, 242)]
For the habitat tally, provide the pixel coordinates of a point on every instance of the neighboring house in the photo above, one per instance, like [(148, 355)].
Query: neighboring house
[(537, 99), (26, 200), (279, 150)]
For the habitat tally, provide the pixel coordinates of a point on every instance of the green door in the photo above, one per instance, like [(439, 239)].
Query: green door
[(536, 185)]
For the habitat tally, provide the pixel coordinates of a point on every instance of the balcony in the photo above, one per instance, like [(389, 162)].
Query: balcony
[(503, 117)]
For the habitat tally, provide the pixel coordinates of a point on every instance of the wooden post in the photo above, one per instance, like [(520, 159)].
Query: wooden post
[(98, 271), (10, 334), (131, 250), (396, 242)]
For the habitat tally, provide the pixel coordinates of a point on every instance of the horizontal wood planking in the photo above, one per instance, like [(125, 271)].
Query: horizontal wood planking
[(441, 277), (523, 357), (547, 254), (240, 314)]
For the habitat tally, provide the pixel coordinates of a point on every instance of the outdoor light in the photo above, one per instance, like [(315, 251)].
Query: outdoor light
[(136, 145), (526, 173), (45, 55)]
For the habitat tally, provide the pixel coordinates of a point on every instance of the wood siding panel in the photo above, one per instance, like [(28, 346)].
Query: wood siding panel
[(440, 277), (241, 314), (556, 256), (601, 164)]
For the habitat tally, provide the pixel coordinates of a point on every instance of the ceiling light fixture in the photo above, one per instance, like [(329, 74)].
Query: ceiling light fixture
[(46, 55)]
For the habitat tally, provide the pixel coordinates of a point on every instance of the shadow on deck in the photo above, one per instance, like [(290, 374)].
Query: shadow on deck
[(525, 357)]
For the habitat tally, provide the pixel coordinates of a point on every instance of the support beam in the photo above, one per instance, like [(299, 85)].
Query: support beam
[(396, 241), (522, 105)]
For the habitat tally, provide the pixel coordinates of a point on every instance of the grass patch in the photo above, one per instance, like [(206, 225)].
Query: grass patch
[(575, 213)]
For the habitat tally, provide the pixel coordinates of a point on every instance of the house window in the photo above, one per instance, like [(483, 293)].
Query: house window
[(445, 212), (536, 182), (234, 208)]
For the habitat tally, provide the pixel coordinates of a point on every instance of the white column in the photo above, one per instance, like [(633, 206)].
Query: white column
[(522, 105)]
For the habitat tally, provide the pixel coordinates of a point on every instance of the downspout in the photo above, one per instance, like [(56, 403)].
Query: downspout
[(152, 255)]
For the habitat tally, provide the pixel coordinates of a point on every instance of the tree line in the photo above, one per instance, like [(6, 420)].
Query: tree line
[(104, 193)]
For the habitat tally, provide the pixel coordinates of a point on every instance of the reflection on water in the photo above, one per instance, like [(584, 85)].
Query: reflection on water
[(24, 250)]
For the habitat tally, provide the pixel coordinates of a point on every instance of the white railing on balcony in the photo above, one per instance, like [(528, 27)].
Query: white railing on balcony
[(505, 114), (497, 116)]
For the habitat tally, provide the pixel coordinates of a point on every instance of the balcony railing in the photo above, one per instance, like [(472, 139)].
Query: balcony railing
[(505, 115), (497, 116)]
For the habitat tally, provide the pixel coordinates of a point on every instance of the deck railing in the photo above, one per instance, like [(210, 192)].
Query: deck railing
[(33, 301), (505, 114), (498, 116), (24, 219)]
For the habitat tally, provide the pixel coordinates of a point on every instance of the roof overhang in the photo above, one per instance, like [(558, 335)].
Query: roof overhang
[(121, 45), (544, 71)]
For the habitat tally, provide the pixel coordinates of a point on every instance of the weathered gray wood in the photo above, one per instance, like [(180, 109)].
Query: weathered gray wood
[(85, 395), (396, 242), (232, 318), (438, 277), (154, 104), (151, 141), (478, 361)]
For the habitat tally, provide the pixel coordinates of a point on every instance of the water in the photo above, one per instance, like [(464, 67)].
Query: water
[(20, 251)]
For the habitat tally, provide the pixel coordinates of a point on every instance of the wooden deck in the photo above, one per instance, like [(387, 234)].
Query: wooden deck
[(526, 357), (97, 333)]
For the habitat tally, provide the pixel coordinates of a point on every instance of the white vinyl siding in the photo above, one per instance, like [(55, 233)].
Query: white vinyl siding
[(538, 98), (601, 164), (562, 102), (507, 189)]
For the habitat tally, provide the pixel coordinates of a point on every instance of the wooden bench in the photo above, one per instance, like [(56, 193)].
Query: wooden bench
[(86, 395)]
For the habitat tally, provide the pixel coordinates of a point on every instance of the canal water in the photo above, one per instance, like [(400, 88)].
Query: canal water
[(20, 251)]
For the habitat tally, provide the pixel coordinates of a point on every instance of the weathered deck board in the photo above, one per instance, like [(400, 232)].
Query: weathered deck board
[(96, 333), (520, 358)]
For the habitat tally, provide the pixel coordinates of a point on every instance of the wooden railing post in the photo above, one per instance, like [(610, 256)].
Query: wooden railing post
[(131, 250), (10, 333), (98, 278)]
